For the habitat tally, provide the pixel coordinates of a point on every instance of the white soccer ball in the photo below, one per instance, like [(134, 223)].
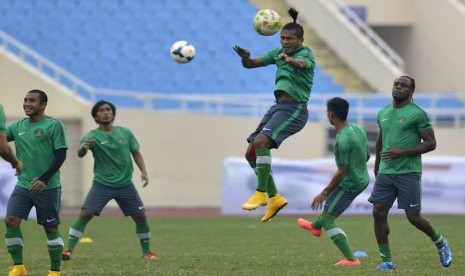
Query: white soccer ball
[(267, 22), (182, 52)]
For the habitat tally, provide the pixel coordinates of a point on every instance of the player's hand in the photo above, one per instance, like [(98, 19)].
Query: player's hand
[(391, 153), (145, 179), (243, 53), (317, 203), (88, 143), (283, 57), (37, 186), (19, 167)]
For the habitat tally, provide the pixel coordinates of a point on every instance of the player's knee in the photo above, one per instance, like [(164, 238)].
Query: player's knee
[(86, 214), (262, 142), (250, 153), (380, 212), (414, 218), (12, 221), (140, 217)]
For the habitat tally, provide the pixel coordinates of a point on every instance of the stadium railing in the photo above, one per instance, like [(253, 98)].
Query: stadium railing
[(364, 107)]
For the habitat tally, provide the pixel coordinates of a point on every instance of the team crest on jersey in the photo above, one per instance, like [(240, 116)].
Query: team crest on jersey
[(38, 132), (120, 140), (401, 120)]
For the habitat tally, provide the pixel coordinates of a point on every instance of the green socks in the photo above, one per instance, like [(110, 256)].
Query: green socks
[(144, 235), (75, 232), (263, 168), (14, 244), (438, 239), (336, 235), (385, 252), (55, 248), (271, 186)]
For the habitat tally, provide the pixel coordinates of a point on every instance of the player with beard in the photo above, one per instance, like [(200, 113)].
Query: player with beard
[(112, 147), (405, 133)]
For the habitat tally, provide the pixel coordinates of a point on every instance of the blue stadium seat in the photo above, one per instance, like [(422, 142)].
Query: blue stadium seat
[(125, 44)]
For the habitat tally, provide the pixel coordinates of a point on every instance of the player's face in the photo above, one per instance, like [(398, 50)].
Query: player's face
[(402, 89), (289, 41), (104, 114), (330, 116), (32, 105)]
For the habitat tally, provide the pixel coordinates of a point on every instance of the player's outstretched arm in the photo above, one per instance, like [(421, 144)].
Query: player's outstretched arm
[(247, 62)]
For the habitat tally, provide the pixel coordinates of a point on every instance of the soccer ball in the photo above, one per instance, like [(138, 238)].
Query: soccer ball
[(182, 52), (267, 22)]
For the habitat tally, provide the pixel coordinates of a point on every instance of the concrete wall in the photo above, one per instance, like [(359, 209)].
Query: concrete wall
[(183, 152), (427, 34), (355, 49)]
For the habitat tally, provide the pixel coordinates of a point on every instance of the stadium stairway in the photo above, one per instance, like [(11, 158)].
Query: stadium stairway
[(327, 59)]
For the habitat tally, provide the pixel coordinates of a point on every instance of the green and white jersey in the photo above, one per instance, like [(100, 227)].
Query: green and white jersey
[(36, 143), (112, 155), (350, 150), (2, 119), (296, 83), (401, 127)]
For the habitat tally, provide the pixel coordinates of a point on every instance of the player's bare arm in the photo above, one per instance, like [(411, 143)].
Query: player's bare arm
[(139, 159), (335, 181), (247, 62), (82, 151), (378, 148)]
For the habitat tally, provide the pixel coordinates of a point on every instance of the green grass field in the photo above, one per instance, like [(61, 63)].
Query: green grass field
[(241, 246)]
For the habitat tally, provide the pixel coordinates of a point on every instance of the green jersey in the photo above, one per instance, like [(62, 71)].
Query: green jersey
[(36, 143), (296, 83), (2, 119), (401, 127), (350, 149), (112, 155)]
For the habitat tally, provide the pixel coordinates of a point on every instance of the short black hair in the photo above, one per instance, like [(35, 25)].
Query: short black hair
[(412, 82), (98, 104), (339, 106), (42, 95), (299, 30)]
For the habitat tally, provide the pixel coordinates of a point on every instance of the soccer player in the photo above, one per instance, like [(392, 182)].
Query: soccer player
[(405, 133), (41, 144), (351, 154), (294, 78), (112, 147), (5, 150)]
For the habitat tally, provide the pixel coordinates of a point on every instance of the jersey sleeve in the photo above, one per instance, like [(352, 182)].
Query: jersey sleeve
[(10, 130), (133, 144), (270, 57), (424, 122), (84, 139), (308, 57), (60, 141), (342, 152)]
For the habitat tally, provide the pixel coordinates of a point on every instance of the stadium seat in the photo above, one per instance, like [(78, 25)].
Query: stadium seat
[(139, 34)]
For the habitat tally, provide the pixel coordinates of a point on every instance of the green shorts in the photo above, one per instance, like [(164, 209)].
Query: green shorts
[(47, 204), (126, 197), (406, 188), (339, 200), (281, 121)]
